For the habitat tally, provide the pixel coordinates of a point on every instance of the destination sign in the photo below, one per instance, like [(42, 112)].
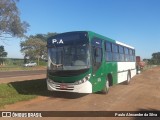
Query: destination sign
[(67, 39)]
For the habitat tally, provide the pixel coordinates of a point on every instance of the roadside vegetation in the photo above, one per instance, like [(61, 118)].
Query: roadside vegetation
[(155, 59), (153, 62), (21, 91), (18, 64)]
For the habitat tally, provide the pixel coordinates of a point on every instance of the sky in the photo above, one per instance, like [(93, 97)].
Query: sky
[(134, 22)]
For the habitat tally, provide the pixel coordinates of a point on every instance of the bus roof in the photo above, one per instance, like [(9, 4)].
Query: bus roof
[(111, 40), (120, 43), (100, 36)]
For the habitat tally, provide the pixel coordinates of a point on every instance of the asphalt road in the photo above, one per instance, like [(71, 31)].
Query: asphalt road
[(21, 73)]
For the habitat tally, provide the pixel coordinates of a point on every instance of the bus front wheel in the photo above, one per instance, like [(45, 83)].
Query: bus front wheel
[(106, 88)]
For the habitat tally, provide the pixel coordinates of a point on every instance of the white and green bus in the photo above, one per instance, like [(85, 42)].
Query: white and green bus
[(86, 62)]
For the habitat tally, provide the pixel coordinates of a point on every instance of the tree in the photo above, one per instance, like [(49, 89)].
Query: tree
[(156, 58), (2, 54), (34, 48), (10, 23), (156, 55)]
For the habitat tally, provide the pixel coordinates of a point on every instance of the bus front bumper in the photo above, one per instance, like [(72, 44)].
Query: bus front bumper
[(85, 87)]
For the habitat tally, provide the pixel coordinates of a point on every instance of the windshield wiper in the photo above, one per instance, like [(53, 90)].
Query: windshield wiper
[(56, 65)]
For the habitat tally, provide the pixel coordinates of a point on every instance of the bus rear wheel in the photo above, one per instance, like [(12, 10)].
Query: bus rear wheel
[(128, 78)]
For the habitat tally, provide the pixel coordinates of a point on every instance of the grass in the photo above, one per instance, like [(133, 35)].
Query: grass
[(20, 91)]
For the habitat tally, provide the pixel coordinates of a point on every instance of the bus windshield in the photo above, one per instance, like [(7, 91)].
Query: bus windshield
[(69, 57)]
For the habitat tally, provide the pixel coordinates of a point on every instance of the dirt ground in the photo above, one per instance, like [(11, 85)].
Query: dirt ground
[(142, 94)]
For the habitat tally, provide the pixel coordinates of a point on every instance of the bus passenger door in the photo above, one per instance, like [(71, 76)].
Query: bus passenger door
[(97, 55), (96, 59)]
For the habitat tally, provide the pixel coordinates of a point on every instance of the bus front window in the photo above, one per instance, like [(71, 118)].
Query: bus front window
[(69, 57)]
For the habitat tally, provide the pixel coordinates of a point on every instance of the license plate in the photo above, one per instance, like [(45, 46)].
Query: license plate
[(63, 86)]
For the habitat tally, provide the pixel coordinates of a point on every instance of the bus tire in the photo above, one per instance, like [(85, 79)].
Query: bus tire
[(106, 87), (128, 78)]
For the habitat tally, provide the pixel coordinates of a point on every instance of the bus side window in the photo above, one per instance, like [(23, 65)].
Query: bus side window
[(133, 55), (121, 53), (115, 52), (98, 55), (130, 55), (126, 51), (108, 51)]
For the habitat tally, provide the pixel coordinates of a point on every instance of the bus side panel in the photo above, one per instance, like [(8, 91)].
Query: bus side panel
[(111, 68), (123, 68), (98, 79)]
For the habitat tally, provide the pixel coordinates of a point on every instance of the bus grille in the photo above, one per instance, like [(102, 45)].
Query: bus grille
[(61, 86), (58, 87)]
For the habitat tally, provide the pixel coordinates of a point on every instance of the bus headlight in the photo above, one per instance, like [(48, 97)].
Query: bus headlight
[(87, 77), (50, 81)]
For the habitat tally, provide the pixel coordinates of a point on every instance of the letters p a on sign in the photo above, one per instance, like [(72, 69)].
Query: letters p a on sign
[(57, 41), (54, 41)]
